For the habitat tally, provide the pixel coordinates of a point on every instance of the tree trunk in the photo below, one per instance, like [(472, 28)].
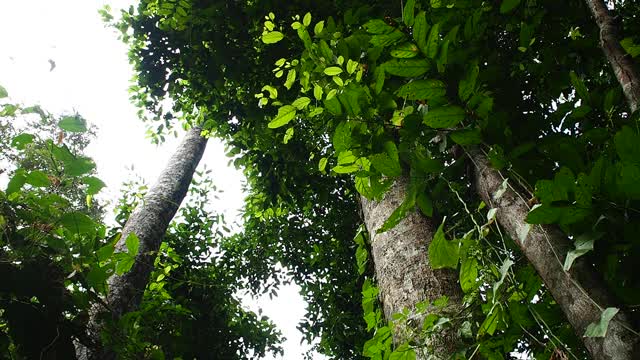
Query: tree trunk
[(149, 221), (402, 268), (579, 292), (620, 61)]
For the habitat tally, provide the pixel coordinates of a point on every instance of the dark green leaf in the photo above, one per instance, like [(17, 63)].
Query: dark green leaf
[(79, 166), (420, 29), (444, 117), (628, 145), (17, 181), (78, 223), (377, 27), (508, 5), (466, 136), (406, 67), (422, 90), (405, 51), (94, 184), (408, 12), (581, 89), (386, 165), (433, 42)]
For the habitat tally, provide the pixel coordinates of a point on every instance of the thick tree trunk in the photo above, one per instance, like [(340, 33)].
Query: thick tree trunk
[(579, 292), (620, 61), (149, 222), (402, 268)]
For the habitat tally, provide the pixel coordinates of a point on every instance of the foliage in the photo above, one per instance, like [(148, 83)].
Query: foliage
[(56, 256), (368, 98)]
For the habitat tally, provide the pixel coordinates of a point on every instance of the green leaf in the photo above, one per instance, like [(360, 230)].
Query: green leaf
[(288, 135), (322, 164), (317, 92), (504, 270), (466, 87), (342, 137), (408, 12), (133, 244), (508, 5), (433, 42), (332, 104), (491, 322), (78, 223), (379, 76), (273, 92), (444, 117), (422, 90), (318, 28), (124, 264), (406, 67), (420, 29), (3, 92), (599, 329), (628, 145), (468, 274), (405, 51), (105, 252), (272, 37), (291, 78), (301, 103), (94, 184), (351, 66), (79, 166), (629, 46), (386, 165), (286, 113), (583, 244), (425, 204), (37, 178), (17, 181), (73, 124), (377, 27), (307, 19), (403, 352), (581, 89), (443, 253), (544, 214), (21, 141), (332, 71), (466, 136)]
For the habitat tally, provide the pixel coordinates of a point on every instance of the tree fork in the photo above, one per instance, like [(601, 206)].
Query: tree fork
[(149, 222), (402, 268), (579, 292)]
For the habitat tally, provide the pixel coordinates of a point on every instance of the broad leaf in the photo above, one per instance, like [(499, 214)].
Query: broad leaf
[(599, 329), (37, 178), (73, 124), (406, 67), (444, 117), (422, 90), (508, 5), (286, 113), (443, 253), (272, 37)]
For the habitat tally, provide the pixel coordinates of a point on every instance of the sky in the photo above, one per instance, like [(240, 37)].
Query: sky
[(91, 76)]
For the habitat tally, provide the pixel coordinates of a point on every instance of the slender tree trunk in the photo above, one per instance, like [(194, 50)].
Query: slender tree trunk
[(620, 61), (402, 268), (149, 222), (579, 292)]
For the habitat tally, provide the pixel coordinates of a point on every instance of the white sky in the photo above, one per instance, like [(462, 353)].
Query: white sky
[(91, 77)]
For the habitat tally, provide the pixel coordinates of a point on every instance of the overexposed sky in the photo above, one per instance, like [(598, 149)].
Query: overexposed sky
[(91, 77)]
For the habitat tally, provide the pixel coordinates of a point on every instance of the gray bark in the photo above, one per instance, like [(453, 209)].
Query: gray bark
[(579, 292), (620, 61), (402, 268), (149, 221)]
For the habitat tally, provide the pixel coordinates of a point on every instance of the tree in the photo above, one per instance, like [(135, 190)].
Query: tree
[(411, 94)]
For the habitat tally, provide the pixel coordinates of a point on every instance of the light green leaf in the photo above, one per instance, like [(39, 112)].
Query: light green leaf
[(443, 253), (318, 28), (73, 124), (21, 141), (583, 244), (508, 5), (124, 264), (351, 66), (317, 92), (338, 81), (37, 178), (444, 117), (322, 164), (332, 71), (291, 78), (422, 90), (468, 274), (133, 244), (3, 92), (406, 67), (301, 103), (403, 352), (307, 19), (599, 329), (273, 92), (377, 27), (17, 181), (316, 111), (286, 113), (288, 135), (272, 37)]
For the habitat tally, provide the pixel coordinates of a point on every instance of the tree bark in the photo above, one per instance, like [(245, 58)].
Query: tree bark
[(149, 221), (620, 61), (402, 268), (579, 292)]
